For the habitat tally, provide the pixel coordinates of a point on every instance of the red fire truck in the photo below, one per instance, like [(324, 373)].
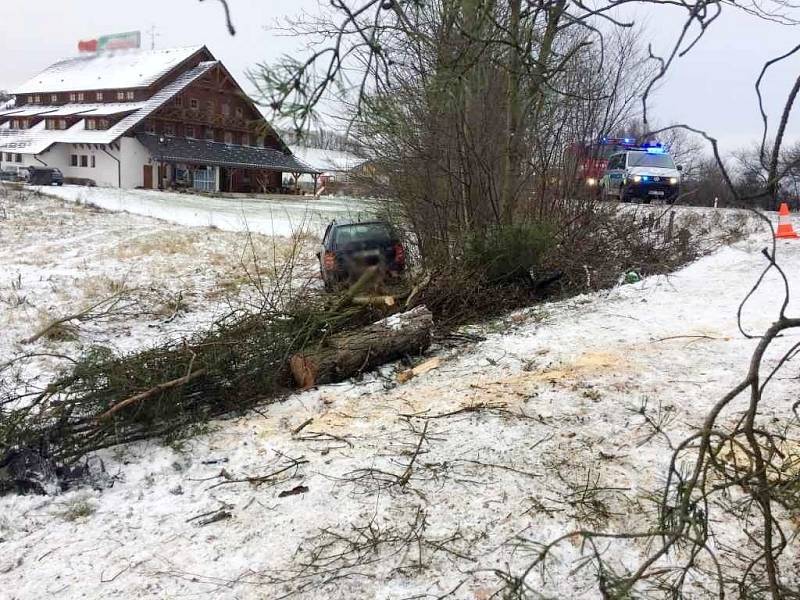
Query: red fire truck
[(587, 162)]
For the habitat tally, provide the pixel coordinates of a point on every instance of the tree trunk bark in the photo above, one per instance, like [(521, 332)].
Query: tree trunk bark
[(345, 355), (512, 157)]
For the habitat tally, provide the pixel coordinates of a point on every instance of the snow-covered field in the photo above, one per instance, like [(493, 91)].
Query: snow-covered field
[(270, 215), (506, 435), (58, 258)]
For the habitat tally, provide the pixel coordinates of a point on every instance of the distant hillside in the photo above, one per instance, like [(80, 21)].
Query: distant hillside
[(322, 139)]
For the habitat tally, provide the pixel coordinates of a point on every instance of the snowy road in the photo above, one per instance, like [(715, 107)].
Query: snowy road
[(275, 215)]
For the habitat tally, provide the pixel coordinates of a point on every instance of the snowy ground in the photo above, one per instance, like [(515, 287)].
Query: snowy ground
[(268, 215), (511, 430), (58, 258)]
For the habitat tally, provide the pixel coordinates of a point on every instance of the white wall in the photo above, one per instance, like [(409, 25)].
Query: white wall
[(27, 161), (105, 173), (134, 158)]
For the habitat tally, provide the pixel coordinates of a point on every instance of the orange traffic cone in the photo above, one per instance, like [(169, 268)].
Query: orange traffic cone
[(785, 229)]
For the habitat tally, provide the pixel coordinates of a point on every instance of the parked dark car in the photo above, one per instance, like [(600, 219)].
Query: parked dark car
[(350, 247), (45, 176)]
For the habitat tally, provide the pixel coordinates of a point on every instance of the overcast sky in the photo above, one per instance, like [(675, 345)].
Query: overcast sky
[(711, 89)]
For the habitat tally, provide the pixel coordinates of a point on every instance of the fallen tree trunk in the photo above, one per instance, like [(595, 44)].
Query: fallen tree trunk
[(347, 354)]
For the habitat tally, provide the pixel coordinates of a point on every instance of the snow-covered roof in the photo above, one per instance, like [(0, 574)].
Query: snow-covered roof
[(327, 160), (107, 70), (37, 139), (28, 111)]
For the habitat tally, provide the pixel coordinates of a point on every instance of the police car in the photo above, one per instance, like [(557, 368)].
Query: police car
[(641, 173)]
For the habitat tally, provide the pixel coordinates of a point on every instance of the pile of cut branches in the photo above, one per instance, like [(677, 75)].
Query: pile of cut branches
[(107, 398)]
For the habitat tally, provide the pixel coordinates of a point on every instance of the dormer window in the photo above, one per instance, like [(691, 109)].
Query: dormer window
[(62, 123), (103, 124), (30, 99), (91, 124), (130, 95), (99, 96), (73, 97), (54, 98), (80, 96), (37, 99), (120, 95)]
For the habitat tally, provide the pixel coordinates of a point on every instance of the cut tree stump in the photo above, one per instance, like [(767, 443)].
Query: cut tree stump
[(347, 354)]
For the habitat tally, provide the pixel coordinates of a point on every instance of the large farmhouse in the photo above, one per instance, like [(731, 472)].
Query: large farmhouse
[(145, 118)]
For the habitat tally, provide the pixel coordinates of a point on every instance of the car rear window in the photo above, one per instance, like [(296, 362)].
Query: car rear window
[(362, 232), (645, 159)]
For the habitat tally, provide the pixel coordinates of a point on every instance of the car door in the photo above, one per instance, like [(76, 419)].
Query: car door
[(619, 173), (612, 175), (326, 239)]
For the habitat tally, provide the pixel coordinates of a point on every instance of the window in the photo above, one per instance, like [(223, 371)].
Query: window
[(62, 124), (645, 159), (204, 179), (18, 158), (169, 129), (130, 95), (226, 109), (99, 96), (190, 131), (94, 163), (90, 124), (228, 137), (49, 124), (73, 160), (80, 96), (194, 103), (245, 139), (179, 101), (120, 95), (54, 98), (149, 127), (73, 96), (8, 157), (84, 160), (239, 112), (30, 99), (209, 134), (102, 124)]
